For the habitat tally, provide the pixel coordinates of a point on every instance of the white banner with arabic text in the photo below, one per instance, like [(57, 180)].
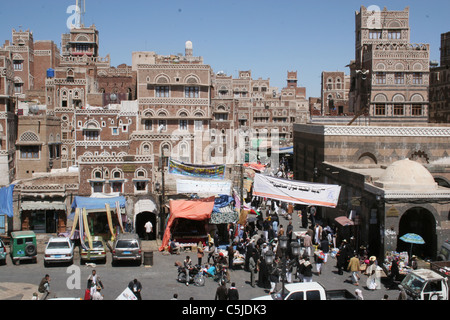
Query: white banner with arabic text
[(204, 187), (325, 195)]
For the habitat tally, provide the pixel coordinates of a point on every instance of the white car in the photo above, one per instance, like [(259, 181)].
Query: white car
[(59, 249), (308, 291)]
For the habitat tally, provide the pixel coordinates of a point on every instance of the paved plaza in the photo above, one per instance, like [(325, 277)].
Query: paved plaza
[(159, 280)]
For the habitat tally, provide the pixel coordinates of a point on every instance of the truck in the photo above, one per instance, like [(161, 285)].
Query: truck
[(426, 284), (308, 291)]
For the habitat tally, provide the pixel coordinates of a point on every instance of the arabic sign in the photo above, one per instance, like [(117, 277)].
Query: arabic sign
[(209, 187), (324, 195), (199, 171)]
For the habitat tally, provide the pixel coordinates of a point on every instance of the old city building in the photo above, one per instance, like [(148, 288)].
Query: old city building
[(395, 179), (440, 85), (38, 146), (335, 87), (8, 119), (31, 60), (90, 129), (260, 116), (389, 75)]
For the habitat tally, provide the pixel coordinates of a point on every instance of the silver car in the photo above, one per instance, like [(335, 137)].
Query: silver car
[(127, 247)]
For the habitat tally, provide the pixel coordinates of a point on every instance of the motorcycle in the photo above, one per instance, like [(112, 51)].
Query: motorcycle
[(195, 276), (221, 274)]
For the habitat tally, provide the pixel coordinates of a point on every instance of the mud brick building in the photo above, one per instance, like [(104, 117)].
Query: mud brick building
[(389, 75), (8, 119), (335, 88), (440, 85)]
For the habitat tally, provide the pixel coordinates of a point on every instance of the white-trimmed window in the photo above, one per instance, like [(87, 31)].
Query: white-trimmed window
[(91, 135), (183, 125), (416, 110), (399, 78), (18, 65), (162, 92), (148, 125), (97, 186), (29, 152), (191, 92), (380, 109)]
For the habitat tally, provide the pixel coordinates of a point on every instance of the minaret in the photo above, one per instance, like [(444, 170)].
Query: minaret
[(189, 51)]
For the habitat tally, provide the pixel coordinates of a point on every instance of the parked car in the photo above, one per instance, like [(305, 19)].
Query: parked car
[(97, 253), (308, 291), (58, 250), (23, 246), (2, 253), (127, 247)]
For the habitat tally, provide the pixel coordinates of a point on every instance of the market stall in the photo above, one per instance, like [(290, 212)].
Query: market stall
[(402, 259), (104, 216), (185, 215)]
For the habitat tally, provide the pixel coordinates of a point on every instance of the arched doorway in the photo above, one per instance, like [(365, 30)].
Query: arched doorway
[(144, 210), (141, 220), (422, 222)]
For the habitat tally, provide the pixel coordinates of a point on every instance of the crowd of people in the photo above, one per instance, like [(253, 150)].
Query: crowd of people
[(262, 234)]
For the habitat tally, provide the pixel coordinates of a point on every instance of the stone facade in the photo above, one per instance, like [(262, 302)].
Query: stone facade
[(38, 147), (8, 119), (356, 157), (335, 89), (440, 85), (389, 76)]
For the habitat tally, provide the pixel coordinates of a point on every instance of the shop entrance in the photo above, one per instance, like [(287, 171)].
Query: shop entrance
[(141, 220), (40, 221), (420, 221)]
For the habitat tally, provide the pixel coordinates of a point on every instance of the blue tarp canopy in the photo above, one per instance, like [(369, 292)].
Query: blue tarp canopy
[(96, 203), (6, 200), (222, 201)]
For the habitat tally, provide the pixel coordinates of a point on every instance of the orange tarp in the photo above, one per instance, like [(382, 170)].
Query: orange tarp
[(255, 166), (197, 209)]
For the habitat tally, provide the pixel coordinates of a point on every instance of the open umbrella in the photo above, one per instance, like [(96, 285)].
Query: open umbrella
[(413, 239)]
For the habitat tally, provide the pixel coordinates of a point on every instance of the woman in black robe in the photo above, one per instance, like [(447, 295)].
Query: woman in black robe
[(263, 274)]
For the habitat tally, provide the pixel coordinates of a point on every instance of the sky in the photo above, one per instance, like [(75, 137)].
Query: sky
[(267, 37)]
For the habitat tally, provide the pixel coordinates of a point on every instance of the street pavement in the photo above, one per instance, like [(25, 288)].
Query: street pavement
[(158, 280)]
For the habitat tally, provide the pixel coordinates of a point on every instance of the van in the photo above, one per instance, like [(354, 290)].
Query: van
[(23, 246), (127, 247)]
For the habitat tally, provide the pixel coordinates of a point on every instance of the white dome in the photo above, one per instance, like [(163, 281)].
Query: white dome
[(188, 44), (406, 174)]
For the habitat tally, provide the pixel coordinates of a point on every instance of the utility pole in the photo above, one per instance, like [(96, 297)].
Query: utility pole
[(242, 187), (162, 217)]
